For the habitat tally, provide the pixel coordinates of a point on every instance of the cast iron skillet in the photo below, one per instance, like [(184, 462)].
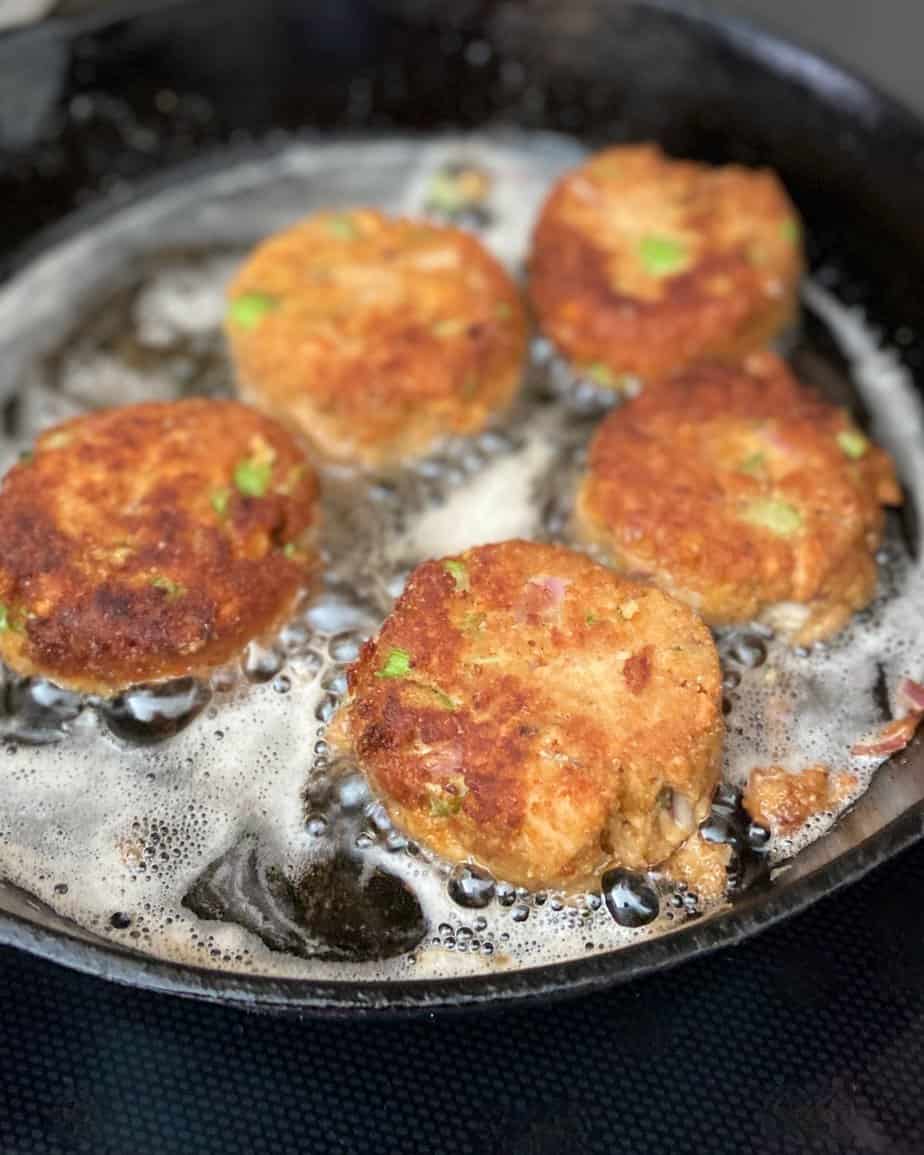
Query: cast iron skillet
[(90, 108)]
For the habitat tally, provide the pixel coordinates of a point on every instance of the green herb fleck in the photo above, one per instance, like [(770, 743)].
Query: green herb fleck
[(470, 386), (791, 230), (502, 310), (753, 464), (12, 619), (450, 327), (446, 801), (26, 456), (249, 309), (853, 443), (452, 191), (252, 477), (779, 517), (662, 255), (444, 806), (397, 665), (290, 549), (172, 589), (590, 619), (459, 573), (341, 227), (604, 376), (601, 374), (219, 500)]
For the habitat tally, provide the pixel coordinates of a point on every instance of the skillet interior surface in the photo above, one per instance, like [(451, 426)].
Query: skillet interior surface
[(90, 110)]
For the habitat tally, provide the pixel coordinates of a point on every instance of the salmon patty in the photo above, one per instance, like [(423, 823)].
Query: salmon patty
[(151, 541), (376, 336), (740, 489), (642, 264), (526, 707)]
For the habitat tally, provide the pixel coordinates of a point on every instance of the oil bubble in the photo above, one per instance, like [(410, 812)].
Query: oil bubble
[(630, 898), (146, 715), (471, 886)]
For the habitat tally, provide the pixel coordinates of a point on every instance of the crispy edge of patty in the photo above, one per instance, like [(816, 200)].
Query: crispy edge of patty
[(477, 786), (723, 306), (150, 576), (656, 507), (424, 357)]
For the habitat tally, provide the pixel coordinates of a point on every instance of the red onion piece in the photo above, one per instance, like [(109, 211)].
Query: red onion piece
[(911, 695), (891, 738)]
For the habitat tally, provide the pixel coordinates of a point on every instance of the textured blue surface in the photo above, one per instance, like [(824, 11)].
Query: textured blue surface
[(809, 1038)]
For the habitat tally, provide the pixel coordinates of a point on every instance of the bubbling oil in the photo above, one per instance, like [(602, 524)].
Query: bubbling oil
[(210, 822)]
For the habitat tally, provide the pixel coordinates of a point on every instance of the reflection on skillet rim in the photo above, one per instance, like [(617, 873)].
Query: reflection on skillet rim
[(888, 817)]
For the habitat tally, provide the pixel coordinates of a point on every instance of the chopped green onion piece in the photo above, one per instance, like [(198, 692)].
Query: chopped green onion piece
[(779, 517), (341, 227), (290, 549), (446, 193), (445, 801), (601, 374), (172, 589), (248, 310), (445, 701), (12, 619), (459, 573), (450, 327), (397, 665), (604, 376), (590, 619), (853, 443), (219, 500), (252, 477), (753, 464), (444, 806), (791, 230), (662, 255)]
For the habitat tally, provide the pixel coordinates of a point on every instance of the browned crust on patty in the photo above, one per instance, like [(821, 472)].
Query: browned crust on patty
[(548, 710), (736, 252), (384, 334), (131, 554), (676, 477)]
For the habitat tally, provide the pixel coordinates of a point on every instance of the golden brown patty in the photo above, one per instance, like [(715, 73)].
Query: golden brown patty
[(151, 541), (526, 707), (642, 264), (375, 336), (737, 489)]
